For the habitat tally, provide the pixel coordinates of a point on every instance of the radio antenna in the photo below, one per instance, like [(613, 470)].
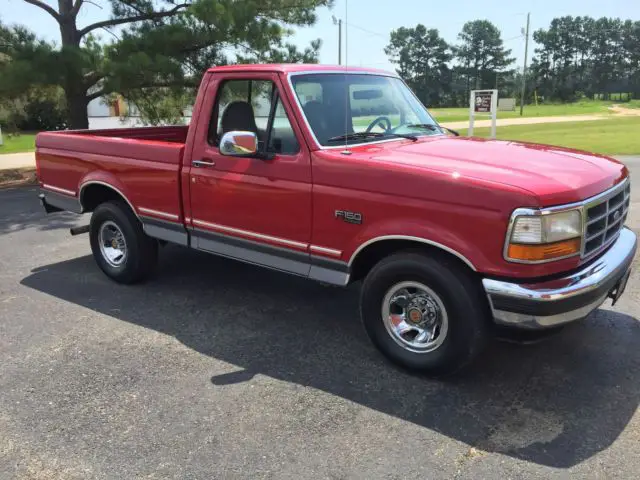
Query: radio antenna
[(346, 150)]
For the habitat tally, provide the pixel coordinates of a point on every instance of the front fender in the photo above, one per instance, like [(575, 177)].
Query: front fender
[(466, 241)]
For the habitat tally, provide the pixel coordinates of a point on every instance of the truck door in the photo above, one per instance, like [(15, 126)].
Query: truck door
[(252, 209)]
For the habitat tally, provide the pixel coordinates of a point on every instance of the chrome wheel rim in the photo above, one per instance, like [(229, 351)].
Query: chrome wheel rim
[(113, 246), (415, 317)]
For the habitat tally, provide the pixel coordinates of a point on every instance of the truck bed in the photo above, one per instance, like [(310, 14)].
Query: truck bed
[(142, 163), (117, 140)]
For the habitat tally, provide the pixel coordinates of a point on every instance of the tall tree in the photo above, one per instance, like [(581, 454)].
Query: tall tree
[(607, 64), (584, 56), (631, 49), (153, 43), (561, 55), (481, 53), (422, 57)]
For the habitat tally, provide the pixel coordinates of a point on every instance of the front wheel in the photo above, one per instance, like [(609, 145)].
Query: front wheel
[(425, 313), (120, 247)]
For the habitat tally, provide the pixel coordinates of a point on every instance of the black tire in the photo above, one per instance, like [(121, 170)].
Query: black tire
[(466, 308), (141, 250)]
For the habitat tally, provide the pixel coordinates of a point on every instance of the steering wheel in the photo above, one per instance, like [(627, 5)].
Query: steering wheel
[(383, 121)]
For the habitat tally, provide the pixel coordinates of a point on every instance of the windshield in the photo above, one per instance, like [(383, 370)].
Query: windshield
[(337, 106)]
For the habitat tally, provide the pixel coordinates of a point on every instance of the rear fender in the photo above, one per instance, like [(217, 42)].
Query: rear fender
[(108, 180)]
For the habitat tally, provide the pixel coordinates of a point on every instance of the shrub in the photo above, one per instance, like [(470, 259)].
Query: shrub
[(43, 115)]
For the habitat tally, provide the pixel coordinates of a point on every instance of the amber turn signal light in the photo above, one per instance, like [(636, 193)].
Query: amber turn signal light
[(548, 251)]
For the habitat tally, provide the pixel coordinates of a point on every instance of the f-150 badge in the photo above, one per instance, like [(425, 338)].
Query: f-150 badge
[(349, 217)]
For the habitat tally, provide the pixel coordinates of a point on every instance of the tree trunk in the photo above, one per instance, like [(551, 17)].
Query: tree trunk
[(75, 89), (77, 103)]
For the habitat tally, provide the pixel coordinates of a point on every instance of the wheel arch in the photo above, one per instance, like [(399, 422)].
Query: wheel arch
[(94, 192), (372, 251)]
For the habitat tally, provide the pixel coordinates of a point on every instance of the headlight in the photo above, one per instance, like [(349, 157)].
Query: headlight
[(537, 238)]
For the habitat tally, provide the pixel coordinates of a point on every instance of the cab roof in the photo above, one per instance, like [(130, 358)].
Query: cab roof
[(293, 67)]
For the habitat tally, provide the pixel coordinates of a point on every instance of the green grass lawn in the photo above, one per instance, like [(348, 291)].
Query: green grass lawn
[(579, 108), (25, 142), (613, 136), (586, 107)]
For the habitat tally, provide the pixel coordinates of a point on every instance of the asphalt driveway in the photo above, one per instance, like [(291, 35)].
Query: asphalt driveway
[(216, 369)]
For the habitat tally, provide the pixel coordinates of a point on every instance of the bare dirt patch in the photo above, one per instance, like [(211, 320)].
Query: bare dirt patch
[(14, 177), (621, 110)]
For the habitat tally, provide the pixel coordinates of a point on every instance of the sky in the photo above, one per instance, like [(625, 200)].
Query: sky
[(369, 22)]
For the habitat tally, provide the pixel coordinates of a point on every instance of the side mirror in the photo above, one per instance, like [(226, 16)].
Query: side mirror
[(239, 144)]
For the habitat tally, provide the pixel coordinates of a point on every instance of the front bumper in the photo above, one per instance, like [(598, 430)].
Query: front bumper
[(555, 302)]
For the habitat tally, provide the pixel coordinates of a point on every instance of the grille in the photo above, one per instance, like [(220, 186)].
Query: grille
[(604, 218)]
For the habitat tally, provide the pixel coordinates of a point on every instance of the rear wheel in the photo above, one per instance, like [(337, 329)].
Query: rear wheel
[(120, 247), (425, 313)]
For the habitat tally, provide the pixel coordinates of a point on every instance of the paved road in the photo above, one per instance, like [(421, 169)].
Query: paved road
[(220, 370)]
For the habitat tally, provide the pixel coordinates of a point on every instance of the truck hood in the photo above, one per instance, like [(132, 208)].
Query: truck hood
[(552, 174)]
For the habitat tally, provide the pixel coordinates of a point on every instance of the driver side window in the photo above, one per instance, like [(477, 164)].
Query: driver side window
[(241, 105), (246, 105)]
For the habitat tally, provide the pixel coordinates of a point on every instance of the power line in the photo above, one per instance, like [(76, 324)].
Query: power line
[(513, 38), (367, 30), (371, 32)]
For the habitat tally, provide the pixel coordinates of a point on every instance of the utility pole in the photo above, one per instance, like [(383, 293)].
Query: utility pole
[(340, 42), (524, 68), (338, 21)]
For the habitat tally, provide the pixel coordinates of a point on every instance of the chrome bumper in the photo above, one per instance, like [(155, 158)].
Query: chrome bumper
[(565, 299)]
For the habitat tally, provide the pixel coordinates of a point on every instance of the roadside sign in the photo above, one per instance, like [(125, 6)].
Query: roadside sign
[(506, 104), (483, 102)]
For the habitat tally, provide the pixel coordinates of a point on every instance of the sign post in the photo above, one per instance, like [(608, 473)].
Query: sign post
[(483, 102)]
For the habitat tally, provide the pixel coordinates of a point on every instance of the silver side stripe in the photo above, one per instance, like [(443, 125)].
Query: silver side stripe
[(172, 216), (259, 236), (59, 190), (328, 251)]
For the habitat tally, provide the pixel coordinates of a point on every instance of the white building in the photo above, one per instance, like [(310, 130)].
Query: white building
[(119, 115)]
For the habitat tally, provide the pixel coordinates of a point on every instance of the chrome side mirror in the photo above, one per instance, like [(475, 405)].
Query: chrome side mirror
[(238, 143)]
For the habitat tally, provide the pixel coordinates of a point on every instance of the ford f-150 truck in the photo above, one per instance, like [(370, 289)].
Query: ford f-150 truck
[(341, 175)]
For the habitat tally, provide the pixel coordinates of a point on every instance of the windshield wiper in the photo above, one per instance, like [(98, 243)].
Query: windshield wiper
[(357, 135), (433, 128), (427, 126)]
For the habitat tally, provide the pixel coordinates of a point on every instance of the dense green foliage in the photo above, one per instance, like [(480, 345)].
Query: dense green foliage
[(443, 74), (144, 44), (579, 56), (423, 60), (575, 57), (153, 52), (38, 108)]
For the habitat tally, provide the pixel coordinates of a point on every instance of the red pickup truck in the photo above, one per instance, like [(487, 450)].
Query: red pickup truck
[(342, 175)]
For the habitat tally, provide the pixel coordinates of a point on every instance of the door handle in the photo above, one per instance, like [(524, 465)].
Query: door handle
[(203, 163)]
